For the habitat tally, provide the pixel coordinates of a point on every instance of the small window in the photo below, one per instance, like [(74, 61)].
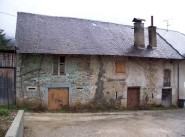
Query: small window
[(58, 65), (167, 78), (62, 65), (120, 67)]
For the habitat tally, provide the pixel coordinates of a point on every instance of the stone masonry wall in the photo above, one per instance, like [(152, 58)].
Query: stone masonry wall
[(92, 77)]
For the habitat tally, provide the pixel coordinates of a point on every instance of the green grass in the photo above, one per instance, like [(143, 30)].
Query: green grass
[(10, 107), (4, 112), (14, 107)]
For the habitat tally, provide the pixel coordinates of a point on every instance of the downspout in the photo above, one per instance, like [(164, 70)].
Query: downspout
[(177, 83), (15, 74)]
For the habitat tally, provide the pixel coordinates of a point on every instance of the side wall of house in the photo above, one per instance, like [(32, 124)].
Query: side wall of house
[(92, 77), (182, 80)]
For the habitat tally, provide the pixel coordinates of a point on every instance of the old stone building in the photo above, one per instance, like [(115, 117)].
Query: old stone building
[(66, 61), (177, 41)]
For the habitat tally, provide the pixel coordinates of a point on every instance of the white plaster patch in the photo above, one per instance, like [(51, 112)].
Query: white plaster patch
[(158, 96), (94, 24), (173, 92)]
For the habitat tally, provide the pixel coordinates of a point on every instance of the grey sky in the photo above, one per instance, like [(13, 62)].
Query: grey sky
[(116, 11)]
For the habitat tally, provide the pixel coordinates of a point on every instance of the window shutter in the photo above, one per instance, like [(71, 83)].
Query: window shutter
[(120, 67), (55, 65)]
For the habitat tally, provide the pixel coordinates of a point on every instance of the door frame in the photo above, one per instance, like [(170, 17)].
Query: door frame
[(134, 87)]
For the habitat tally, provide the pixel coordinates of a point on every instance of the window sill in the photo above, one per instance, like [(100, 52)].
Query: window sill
[(169, 87)]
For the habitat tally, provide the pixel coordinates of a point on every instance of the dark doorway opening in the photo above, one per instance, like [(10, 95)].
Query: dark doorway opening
[(167, 97)]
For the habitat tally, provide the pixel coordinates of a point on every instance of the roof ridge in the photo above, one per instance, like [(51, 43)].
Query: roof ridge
[(75, 18)]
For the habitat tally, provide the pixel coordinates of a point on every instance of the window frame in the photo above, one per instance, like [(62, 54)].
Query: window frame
[(58, 62), (117, 63), (166, 77)]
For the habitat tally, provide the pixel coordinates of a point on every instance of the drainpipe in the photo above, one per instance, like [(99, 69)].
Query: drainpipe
[(178, 83)]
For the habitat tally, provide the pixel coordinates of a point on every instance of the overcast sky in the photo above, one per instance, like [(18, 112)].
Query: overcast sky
[(115, 11)]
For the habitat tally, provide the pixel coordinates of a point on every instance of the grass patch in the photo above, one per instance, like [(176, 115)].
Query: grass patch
[(4, 112), (6, 118), (14, 107)]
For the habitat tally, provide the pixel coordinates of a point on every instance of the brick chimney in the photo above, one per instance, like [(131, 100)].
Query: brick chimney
[(139, 40), (152, 35)]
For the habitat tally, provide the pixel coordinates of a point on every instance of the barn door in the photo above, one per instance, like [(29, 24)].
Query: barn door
[(58, 98), (7, 92), (133, 97)]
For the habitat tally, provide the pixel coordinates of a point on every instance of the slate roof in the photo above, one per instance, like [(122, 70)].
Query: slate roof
[(62, 35), (174, 38)]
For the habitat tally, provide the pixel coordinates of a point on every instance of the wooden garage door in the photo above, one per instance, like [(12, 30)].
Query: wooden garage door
[(133, 97), (58, 98)]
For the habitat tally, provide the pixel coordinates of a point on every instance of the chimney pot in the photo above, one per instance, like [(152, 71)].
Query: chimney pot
[(152, 35), (151, 20), (139, 40), (138, 20)]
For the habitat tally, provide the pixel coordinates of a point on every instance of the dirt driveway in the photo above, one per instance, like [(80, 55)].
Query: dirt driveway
[(166, 123)]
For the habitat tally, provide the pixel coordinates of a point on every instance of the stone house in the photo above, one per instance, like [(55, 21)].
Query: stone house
[(177, 40), (63, 61)]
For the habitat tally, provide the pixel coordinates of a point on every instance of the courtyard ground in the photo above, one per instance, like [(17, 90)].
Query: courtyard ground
[(161, 123)]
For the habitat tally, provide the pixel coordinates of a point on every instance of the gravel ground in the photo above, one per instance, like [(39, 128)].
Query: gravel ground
[(165, 123)]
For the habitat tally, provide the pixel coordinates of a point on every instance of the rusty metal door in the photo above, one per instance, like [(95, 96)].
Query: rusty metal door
[(133, 97), (58, 98), (7, 86)]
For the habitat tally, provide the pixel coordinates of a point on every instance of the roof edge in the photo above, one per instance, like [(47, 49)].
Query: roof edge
[(170, 45), (172, 31)]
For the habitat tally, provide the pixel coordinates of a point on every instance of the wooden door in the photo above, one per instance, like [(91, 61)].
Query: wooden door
[(7, 86), (133, 97), (58, 98)]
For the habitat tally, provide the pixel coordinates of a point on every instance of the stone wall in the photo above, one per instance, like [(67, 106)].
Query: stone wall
[(92, 77)]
